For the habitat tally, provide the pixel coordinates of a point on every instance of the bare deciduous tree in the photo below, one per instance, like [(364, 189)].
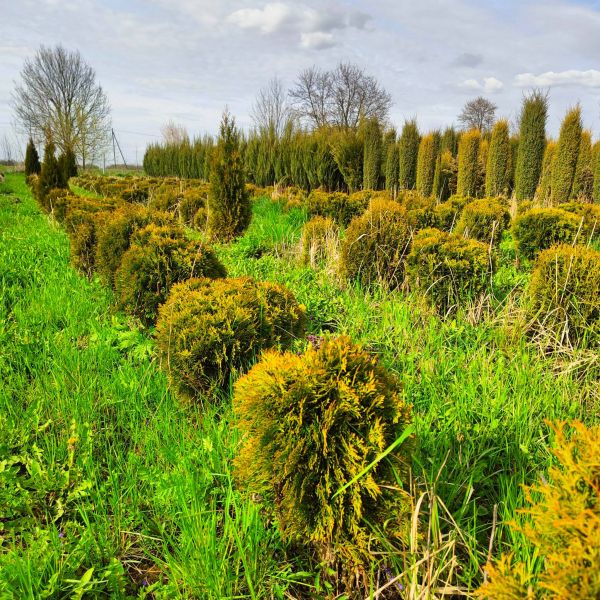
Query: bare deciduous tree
[(58, 97), (173, 133), (340, 97), (270, 111), (479, 114)]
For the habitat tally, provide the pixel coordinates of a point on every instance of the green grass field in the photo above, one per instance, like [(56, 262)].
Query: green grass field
[(111, 487)]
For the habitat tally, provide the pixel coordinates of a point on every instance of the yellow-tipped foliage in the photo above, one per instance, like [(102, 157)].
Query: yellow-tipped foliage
[(484, 220), (314, 428), (563, 525), (468, 163), (209, 328)]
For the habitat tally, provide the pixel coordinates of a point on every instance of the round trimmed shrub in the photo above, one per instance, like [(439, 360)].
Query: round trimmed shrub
[(589, 215), (320, 239), (114, 237), (564, 295), (484, 220), (340, 207), (209, 328), (193, 200), (82, 227), (159, 257), (448, 212), (376, 245), (310, 425), (448, 268), (540, 228)]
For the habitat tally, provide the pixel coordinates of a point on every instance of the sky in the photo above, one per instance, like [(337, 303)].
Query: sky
[(185, 60)]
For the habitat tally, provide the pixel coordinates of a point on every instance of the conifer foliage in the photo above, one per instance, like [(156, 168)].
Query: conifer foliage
[(468, 163), (229, 210), (497, 177), (567, 153), (532, 142), (32, 160), (426, 161), (409, 151)]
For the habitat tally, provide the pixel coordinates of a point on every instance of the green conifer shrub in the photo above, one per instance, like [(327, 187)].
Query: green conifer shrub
[(565, 160), (448, 212), (32, 159), (50, 175), (192, 201), (448, 269), (81, 226), (409, 153), (445, 176), (426, 161), (229, 209), (372, 153), (589, 215), (468, 163), (484, 220), (497, 175), (310, 424), (543, 194), (391, 163), (159, 257), (67, 165), (583, 184), (532, 141), (114, 236), (540, 228), (376, 244), (340, 207), (564, 295), (449, 141), (320, 240), (209, 328), (347, 150)]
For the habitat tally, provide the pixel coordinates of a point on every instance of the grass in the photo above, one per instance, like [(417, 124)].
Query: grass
[(110, 487)]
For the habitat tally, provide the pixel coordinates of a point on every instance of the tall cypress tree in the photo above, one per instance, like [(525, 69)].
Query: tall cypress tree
[(583, 184), (229, 209), (392, 168), (409, 151), (468, 163), (449, 141), (50, 176), (497, 175), (532, 142), (347, 150), (32, 159), (426, 159), (372, 153), (567, 153), (544, 191), (596, 156), (445, 170)]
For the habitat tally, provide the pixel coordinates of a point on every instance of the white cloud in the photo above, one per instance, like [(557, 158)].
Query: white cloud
[(269, 19), (489, 85), (317, 40), (589, 78)]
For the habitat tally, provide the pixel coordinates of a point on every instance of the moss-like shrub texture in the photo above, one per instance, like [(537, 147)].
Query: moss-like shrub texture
[(159, 257), (209, 328), (376, 245), (114, 236), (320, 239), (484, 220), (310, 426), (540, 228), (564, 295), (563, 526), (448, 212), (449, 269), (340, 207)]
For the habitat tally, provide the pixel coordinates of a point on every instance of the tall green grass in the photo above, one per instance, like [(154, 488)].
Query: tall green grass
[(110, 487)]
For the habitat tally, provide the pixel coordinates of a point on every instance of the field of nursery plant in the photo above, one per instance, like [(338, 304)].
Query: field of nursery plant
[(330, 364)]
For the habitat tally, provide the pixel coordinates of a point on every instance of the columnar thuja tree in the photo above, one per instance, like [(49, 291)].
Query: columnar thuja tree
[(532, 142), (428, 150), (409, 151), (347, 150), (449, 141), (596, 158), (468, 162), (544, 191), (229, 210), (392, 167), (372, 153), (567, 153), (583, 183), (497, 175), (32, 159), (51, 176)]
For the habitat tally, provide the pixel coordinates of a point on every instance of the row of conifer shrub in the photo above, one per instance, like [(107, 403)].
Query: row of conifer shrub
[(439, 164)]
